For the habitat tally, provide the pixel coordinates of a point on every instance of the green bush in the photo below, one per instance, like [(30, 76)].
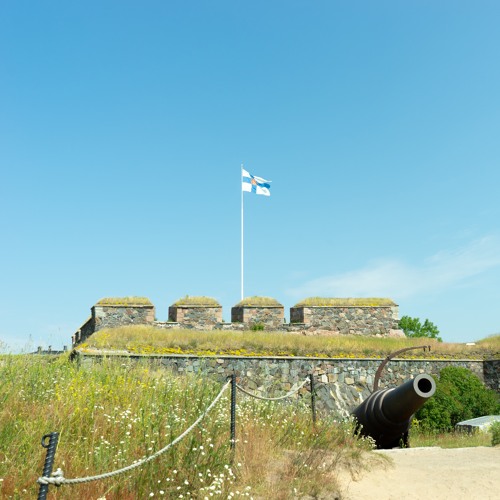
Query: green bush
[(460, 395), (257, 327), (495, 433)]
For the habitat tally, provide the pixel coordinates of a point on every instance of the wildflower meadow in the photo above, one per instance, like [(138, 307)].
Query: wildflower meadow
[(115, 414)]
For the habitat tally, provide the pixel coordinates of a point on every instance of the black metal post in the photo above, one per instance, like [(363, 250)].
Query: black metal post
[(233, 410), (50, 446), (313, 397)]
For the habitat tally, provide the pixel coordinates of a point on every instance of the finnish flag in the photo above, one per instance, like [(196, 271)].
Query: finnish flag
[(254, 184)]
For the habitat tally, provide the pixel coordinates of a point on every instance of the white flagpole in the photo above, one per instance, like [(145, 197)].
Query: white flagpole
[(241, 188)]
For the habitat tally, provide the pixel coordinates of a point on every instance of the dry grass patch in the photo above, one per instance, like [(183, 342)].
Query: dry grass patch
[(345, 302), (300, 463), (124, 301), (149, 340), (259, 302), (199, 301)]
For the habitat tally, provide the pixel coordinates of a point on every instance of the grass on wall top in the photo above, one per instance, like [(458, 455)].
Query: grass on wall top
[(124, 301), (258, 302), (142, 339), (199, 301), (345, 302)]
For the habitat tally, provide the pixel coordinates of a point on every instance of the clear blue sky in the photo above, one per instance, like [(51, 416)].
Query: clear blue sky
[(123, 125)]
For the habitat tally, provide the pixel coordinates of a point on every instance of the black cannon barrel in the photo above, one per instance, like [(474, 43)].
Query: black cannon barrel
[(386, 414)]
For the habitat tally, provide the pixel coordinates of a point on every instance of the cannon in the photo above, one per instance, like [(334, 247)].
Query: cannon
[(386, 414)]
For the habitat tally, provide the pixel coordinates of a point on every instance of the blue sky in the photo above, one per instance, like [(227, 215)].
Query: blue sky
[(123, 126)]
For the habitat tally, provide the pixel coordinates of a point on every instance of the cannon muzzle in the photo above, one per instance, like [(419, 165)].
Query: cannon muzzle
[(386, 414)]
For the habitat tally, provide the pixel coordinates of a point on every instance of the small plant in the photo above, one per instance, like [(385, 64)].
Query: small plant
[(257, 327), (495, 433)]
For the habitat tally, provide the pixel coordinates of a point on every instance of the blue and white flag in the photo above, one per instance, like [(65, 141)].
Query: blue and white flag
[(254, 184)]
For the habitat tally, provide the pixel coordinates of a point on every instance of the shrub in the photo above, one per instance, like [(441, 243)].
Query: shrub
[(460, 395), (257, 327)]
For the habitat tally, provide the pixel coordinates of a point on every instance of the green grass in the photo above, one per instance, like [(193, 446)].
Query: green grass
[(344, 302), (197, 301), (149, 340), (115, 413), (449, 439), (259, 302), (124, 301)]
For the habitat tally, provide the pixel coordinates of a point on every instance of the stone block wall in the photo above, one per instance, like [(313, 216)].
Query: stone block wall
[(84, 332), (341, 384), (492, 374), (353, 320), (193, 313), (112, 316), (270, 317), (196, 317)]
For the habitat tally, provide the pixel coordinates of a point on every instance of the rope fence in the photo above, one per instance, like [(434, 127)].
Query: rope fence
[(287, 395), (49, 441)]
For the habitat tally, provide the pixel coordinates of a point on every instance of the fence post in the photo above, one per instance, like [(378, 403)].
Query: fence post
[(313, 397), (50, 446), (233, 410)]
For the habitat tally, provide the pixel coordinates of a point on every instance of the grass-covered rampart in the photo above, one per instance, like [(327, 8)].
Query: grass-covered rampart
[(150, 340)]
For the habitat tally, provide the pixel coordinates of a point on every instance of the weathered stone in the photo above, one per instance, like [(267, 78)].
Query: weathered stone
[(270, 317), (201, 317), (337, 391)]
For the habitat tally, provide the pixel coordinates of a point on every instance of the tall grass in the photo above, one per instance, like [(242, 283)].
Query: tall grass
[(449, 439), (113, 414), (150, 340)]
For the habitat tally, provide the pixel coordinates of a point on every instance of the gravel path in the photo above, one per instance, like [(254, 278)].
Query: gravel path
[(430, 473)]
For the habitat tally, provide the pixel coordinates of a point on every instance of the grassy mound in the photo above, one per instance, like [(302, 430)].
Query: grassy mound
[(149, 340)]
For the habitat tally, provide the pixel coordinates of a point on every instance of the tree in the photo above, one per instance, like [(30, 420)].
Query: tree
[(414, 328)]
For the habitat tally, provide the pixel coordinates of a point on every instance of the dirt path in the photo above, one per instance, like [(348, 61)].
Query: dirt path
[(430, 473)]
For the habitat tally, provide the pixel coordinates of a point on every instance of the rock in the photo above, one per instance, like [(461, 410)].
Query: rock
[(396, 334)]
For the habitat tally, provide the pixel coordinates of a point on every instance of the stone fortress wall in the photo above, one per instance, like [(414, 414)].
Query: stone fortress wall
[(312, 317), (341, 383)]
